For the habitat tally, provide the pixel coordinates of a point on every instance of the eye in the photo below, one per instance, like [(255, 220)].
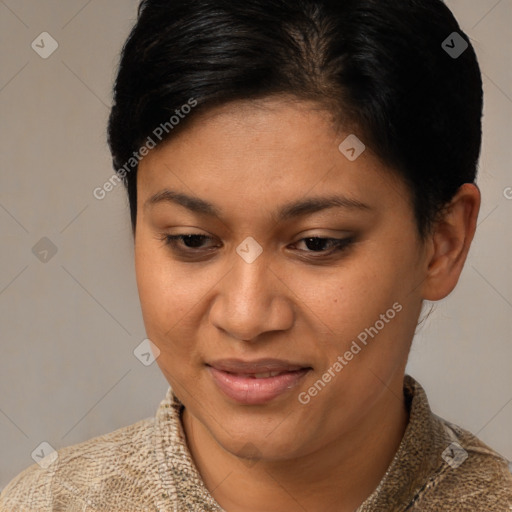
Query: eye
[(191, 241), (315, 244)]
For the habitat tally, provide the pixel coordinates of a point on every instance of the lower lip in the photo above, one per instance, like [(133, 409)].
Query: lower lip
[(252, 391)]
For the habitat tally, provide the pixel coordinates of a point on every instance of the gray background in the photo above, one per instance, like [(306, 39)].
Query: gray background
[(70, 324)]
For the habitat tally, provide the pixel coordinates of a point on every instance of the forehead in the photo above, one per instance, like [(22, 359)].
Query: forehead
[(270, 150)]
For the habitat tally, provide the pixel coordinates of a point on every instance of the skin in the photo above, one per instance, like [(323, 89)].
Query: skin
[(293, 302)]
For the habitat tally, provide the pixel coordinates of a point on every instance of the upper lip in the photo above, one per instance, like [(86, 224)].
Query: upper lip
[(256, 366)]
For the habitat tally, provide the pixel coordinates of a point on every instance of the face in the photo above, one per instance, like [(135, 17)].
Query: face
[(260, 247)]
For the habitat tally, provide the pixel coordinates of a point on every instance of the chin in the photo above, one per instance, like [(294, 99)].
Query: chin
[(272, 442)]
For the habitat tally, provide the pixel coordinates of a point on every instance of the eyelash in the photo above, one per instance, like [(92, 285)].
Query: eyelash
[(339, 244)]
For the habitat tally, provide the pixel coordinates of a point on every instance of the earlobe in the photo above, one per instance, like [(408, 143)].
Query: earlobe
[(450, 242)]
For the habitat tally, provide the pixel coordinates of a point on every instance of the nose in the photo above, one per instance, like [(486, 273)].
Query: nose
[(252, 300)]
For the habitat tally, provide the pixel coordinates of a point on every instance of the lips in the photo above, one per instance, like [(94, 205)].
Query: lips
[(256, 382)]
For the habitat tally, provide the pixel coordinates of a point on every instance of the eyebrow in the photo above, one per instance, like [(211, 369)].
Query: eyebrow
[(288, 211)]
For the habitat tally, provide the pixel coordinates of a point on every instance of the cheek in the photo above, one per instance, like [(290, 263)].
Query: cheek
[(172, 294), (166, 302), (344, 298), (363, 307), (158, 285)]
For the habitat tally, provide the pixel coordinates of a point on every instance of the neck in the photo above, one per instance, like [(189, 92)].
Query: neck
[(337, 477)]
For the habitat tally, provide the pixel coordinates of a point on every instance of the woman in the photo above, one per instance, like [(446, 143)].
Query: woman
[(301, 177)]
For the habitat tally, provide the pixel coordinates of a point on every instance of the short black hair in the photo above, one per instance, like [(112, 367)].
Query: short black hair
[(389, 70)]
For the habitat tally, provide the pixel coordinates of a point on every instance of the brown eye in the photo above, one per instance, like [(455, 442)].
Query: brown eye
[(316, 244), (190, 241)]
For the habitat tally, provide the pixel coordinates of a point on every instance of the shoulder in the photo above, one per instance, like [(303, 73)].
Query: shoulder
[(70, 478), (470, 476)]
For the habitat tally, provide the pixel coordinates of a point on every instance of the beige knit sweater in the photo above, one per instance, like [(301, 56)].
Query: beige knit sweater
[(147, 467)]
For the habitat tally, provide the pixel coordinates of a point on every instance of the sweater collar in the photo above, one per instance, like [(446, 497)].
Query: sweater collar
[(417, 458)]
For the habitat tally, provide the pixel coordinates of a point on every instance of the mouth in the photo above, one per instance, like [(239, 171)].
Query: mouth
[(256, 382)]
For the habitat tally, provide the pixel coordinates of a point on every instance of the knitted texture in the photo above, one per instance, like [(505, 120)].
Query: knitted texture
[(147, 467)]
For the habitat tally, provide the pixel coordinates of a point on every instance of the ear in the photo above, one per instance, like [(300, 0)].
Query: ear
[(450, 241)]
